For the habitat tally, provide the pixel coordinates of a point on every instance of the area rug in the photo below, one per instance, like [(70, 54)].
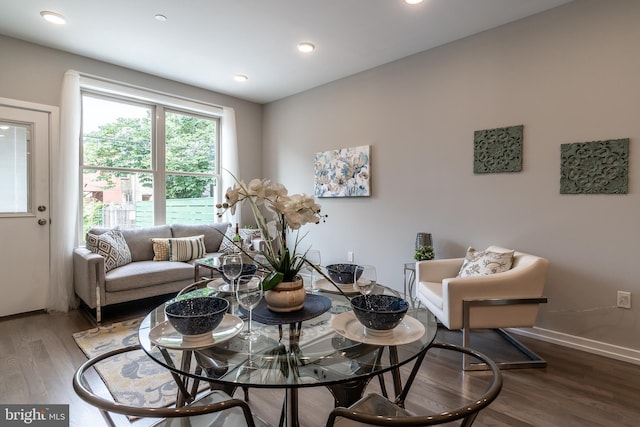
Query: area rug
[(132, 378)]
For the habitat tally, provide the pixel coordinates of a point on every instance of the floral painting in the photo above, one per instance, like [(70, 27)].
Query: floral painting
[(343, 173)]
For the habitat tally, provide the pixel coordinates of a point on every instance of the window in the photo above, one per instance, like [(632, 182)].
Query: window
[(146, 163), (15, 146)]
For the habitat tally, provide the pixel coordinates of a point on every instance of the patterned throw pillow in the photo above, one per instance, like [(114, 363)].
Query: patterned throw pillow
[(483, 263), (186, 248), (227, 242), (227, 245), (160, 249), (112, 246)]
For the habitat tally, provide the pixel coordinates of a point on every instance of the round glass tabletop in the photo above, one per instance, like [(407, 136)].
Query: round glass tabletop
[(323, 350)]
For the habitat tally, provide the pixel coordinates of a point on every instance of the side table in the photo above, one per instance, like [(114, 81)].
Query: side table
[(409, 277), (212, 264)]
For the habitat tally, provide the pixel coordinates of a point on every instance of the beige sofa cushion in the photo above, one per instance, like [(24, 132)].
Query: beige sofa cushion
[(213, 233), (146, 273), (139, 240)]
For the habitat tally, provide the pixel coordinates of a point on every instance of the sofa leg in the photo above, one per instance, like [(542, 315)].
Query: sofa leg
[(88, 313), (98, 308)]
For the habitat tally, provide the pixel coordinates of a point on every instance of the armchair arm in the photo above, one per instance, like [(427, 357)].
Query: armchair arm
[(436, 270), (88, 273), (522, 282), (518, 283)]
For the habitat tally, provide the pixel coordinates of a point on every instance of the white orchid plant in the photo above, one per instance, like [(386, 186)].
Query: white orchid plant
[(276, 213)]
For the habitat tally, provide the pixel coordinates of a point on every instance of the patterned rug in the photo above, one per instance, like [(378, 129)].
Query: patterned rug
[(132, 378)]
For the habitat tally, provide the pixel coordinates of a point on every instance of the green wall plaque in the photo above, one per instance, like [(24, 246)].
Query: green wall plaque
[(497, 150), (596, 167)]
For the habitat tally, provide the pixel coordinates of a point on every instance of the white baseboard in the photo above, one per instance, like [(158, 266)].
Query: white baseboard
[(591, 346)]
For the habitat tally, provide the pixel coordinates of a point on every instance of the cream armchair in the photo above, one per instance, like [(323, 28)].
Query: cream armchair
[(508, 299)]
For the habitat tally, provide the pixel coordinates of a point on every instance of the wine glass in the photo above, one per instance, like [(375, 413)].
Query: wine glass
[(365, 283), (313, 258), (232, 267), (248, 295)]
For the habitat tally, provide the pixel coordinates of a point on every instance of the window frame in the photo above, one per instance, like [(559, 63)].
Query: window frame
[(159, 103)]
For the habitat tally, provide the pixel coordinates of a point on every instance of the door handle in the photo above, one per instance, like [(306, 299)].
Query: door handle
[(42, 221)]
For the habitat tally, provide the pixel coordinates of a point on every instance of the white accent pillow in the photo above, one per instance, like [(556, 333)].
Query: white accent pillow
[(112, 246), (483, 263)]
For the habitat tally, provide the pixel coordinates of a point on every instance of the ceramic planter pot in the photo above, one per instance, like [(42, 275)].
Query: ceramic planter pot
[(286, 296)]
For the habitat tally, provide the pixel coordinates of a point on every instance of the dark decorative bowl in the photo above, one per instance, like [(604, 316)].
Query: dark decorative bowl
[(247, 269), (344, 273), (379, 312), (196, 316)]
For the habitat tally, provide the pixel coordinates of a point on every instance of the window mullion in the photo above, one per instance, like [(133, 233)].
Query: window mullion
[(159, 174)]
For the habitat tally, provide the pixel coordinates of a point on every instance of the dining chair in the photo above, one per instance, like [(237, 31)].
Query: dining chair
[(215, 409), (376, 410)]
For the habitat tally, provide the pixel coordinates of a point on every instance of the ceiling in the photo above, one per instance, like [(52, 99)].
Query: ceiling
[(206, 42)]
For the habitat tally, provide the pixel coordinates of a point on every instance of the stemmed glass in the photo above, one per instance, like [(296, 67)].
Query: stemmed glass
[(248, 295), (232, 267), (313, 258), (366, 282)]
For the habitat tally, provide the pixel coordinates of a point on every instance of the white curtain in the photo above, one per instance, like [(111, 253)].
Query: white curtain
[(64, 196), (229, 157)]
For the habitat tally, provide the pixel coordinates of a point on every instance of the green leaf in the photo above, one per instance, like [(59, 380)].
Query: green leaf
[(272, 280)]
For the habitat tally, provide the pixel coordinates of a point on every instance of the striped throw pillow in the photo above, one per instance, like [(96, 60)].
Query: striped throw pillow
[(186, 248)]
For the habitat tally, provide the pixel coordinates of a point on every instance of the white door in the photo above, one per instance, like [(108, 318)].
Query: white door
[(24, 206)]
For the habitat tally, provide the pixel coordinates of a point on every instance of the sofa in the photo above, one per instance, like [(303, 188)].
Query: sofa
[(121, 265)]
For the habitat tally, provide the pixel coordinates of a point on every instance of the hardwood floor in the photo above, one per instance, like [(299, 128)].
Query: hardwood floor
[(38, 357)]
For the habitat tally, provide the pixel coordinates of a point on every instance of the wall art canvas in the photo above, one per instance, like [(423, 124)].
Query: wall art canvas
[(343, 173), (596, 167), (498, 150)]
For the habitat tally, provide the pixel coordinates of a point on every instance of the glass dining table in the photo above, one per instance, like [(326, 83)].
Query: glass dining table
[(321, 345)]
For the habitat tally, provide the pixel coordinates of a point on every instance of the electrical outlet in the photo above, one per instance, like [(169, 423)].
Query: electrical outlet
[(624, 299), (350, 256)]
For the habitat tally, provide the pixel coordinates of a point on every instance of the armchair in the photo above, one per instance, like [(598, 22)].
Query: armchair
[(508, 299)]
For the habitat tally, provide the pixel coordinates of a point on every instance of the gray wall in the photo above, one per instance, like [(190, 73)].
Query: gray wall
[(34, 73), (567, 75)]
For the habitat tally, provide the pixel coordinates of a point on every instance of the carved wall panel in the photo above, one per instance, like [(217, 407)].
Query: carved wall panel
[(497, 150), (595, 167)]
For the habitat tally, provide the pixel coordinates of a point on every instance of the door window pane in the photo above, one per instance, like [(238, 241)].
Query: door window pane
[(14, 168)]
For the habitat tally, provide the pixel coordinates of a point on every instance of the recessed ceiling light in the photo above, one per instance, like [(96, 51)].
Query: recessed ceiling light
[(161, 18), (413, 1), (306, 47), (54, 18), (240, 78)]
